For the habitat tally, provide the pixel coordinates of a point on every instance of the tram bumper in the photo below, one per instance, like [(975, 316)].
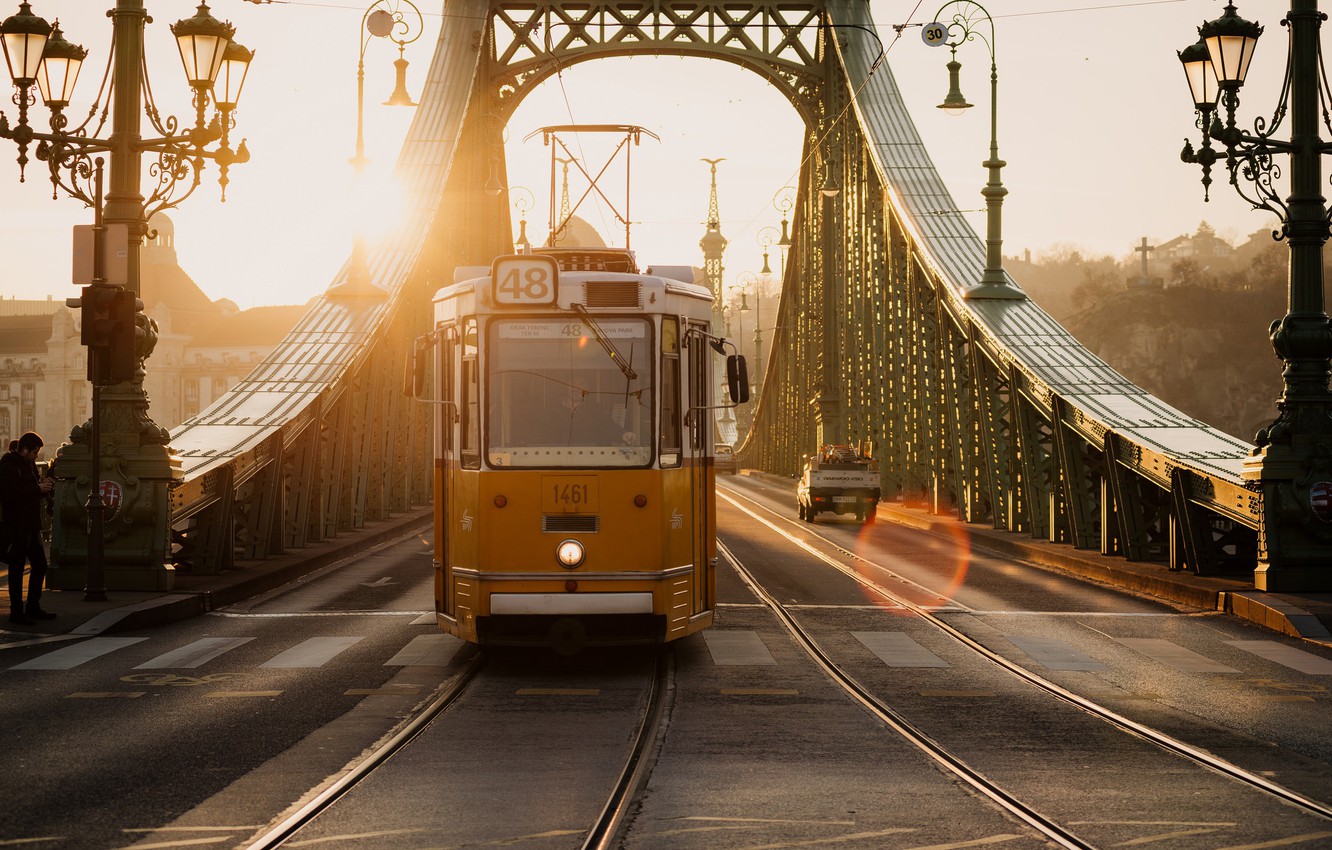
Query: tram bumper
[(571, 604)]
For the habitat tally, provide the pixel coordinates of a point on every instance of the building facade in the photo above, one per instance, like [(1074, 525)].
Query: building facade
[(204, 347)]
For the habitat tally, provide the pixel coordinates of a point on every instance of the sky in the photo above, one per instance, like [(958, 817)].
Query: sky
[(1093, 110)]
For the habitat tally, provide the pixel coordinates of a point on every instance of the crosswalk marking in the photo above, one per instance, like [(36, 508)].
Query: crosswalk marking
[(195, 654), (428, 650), (898, 650), (386, 691), (314, 652), (736, 648), (1286, 656), (727, 647), (1175, 656), (72, 656), (1055, 655)]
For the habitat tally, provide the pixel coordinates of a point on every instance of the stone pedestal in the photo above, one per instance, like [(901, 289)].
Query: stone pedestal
[(137, 472)]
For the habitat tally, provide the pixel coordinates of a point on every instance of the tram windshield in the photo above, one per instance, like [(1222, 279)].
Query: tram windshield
[(569, 392)]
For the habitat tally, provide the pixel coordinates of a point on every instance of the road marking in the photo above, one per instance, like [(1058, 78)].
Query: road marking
[(427, 650), (898, 650), (558, 692), (1286, 656), (1174, 656), (1055, 655), (168, 680), (947, 694), (386, 691), (751, 692), (1165, 836), (314, 652), (736, 648), (975, 842), (1280, 842), (79, 653), (195, 654), (354, 836), (106, 695), (228, 694)]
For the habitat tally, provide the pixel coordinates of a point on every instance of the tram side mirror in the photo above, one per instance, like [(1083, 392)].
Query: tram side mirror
[(418, 367), (737, 378)]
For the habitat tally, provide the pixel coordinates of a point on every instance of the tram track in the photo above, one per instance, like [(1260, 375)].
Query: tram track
[(603, 832), (876, 706), (325, 799)]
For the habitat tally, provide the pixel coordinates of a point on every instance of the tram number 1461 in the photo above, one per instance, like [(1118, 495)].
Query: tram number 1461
[(571, 495)]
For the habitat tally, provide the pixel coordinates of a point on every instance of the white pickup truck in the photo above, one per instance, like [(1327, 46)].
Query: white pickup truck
[(838, 480)]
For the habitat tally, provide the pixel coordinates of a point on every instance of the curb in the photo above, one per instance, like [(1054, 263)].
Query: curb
[(250, 579), (1231, 596)]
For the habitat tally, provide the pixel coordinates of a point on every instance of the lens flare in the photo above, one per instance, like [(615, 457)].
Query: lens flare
[(953, 572)]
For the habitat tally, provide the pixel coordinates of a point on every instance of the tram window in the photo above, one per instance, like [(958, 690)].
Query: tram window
[(568, 392), (447, 361), (699, 358), (670, 391), (471, 415)]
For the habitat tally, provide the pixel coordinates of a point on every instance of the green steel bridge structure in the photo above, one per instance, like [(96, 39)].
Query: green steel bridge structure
[(980, 408)]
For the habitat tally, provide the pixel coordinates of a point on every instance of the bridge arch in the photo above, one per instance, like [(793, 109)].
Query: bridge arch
[(526, 44)]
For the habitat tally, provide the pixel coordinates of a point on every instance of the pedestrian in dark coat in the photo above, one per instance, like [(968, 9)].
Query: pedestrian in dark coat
[(21, 492)]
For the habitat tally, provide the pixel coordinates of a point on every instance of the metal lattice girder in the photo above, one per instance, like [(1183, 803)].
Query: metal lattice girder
[(983, 407), (531, 41), (986, 407)]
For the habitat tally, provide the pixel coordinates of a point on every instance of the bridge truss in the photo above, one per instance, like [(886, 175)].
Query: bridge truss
[(984, 409)]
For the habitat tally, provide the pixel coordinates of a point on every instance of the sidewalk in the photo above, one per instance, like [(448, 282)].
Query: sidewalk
[(1303, 615), (194, 595)]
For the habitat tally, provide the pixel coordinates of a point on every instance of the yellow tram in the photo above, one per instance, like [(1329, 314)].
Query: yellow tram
[(573, 468)]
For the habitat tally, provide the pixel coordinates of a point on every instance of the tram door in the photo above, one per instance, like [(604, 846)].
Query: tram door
[(698, 441), (448, 461)]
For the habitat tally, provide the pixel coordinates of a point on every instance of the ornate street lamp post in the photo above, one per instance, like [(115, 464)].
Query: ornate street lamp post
[(783, 201), (522, 199), (130, 461), (766, 236), (744, 282), (385, 19), (381, 19), (1291, 464), (952, 31)]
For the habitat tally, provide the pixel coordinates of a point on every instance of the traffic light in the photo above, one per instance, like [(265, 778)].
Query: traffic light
[(110, 331)]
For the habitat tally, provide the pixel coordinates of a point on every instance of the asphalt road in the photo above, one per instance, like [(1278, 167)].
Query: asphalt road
[(204, 732)]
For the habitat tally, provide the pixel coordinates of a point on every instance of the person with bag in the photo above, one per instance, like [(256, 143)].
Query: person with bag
[(21, 493)]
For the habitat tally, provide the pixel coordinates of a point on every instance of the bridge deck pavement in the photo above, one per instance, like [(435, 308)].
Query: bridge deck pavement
[(1307, 616)]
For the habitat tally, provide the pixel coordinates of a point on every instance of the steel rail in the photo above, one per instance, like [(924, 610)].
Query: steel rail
[(1154, 736), (603, 833), (279, 834), (899, 724)]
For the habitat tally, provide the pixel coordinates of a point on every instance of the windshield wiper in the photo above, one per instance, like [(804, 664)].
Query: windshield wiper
[(611, 350)]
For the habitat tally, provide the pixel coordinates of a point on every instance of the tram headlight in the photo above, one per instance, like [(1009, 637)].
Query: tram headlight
[(569, 553)]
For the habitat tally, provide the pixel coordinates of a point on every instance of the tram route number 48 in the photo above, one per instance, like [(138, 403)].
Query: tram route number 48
[(524, 280)]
